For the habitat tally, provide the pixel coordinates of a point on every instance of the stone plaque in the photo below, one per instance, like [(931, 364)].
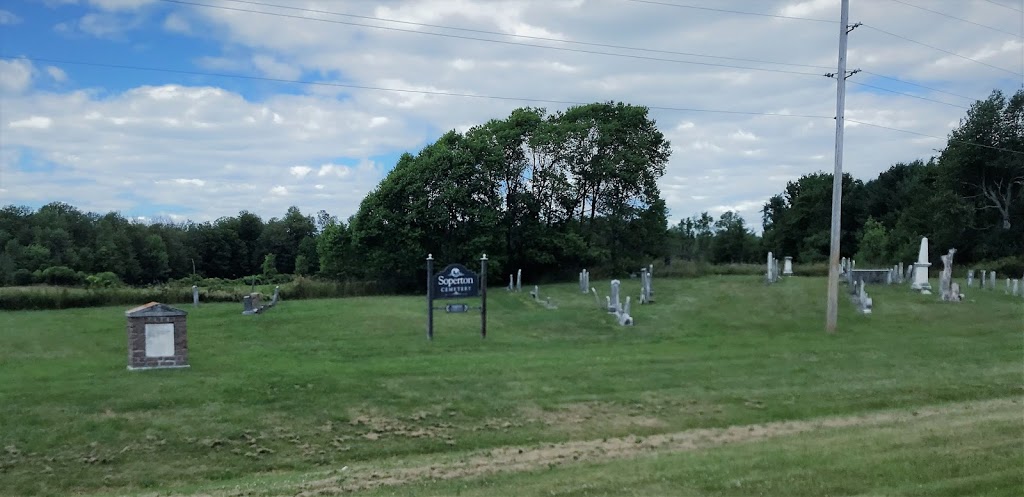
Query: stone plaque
[(159, 339)]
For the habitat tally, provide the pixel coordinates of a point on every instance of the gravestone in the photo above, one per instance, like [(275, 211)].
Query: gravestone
[(625, 319), (277, 291), (650, 284), (946, 291), (195, 296), (863, 300), (901, 272), (983, 280), (955, 289), (249, 304), (970, 278), (535, 293), (597, 300), (1016, 287), (511, 283), (909, 274), (992, 280), (921, 269), (770, 274), (519, 280), (157, 337), (787, 268), (615, 303), (584, 281), (1007, 291)]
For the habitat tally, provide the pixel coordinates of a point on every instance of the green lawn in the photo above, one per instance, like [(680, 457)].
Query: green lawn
[(313, 386)]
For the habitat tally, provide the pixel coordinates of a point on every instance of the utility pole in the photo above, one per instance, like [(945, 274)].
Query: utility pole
[(837, 176)]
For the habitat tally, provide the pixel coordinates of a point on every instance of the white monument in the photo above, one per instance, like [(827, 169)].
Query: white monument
[(787, 268), (921, 269)]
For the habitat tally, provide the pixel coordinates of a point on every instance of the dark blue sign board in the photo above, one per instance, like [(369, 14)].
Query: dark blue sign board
[(455, 282)]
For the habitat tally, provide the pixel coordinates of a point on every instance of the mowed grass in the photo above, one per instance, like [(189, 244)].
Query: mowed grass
[(316, 385)]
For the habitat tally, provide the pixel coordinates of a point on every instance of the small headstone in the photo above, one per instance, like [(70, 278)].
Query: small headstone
[(247, 305), (908, 275), (787, 268), (955, 288), (597, 300), (901, 272), (626, 309), (519, 280), (273, 301), (195, 296), (992, 280), (970, 278), (535, 293), (1016, 287), (1007, 291), (863, 299), (511, 283), (608, 305), (983, 280)]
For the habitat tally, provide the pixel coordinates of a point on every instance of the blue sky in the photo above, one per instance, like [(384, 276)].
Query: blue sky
[(159, 144)]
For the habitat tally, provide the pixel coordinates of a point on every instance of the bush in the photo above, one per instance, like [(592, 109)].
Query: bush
[(61, 275), (105, 279), (1007, 267), (22, 277)]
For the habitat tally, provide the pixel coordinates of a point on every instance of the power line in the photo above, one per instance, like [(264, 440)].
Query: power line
[(184, 2), (379, 88), (527, 37), (986, 26), (695, 7), (1004, 6), (906, 94), (965, 142), (903, 81), (502, 42), (942, 50)]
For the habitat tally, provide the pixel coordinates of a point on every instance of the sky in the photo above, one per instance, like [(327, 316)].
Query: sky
[(167, 110)]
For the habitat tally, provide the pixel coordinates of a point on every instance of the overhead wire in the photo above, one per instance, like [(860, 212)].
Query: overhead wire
[(986, 26), (465, 95), (657, 59), (1004, 6), (965, 142), (521, 36), (933, 47), (727, 11), (502, 42), (386, 89)]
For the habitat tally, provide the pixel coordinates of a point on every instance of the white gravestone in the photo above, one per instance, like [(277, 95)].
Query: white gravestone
[(195, 295), (946, 279), (1007, 291), (615, 302), (159, 339), (519, 280), (1016, 287), (921, 269), (787, 268), (992, 280), (597, 300), (970, 278)]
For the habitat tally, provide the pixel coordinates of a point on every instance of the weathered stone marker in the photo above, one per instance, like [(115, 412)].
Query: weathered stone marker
[(614, 301), (970, 278), (946, 285), (195, 296), (157, 337), (787, 267), (519, 280), (992, 280)]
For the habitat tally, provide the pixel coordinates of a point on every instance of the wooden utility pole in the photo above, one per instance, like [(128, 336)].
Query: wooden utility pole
[(832, 315)]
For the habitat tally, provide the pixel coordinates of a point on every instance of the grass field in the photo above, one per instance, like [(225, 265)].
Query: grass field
[(724, 387)]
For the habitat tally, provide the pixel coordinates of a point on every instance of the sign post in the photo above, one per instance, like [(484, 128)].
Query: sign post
[(430, 297), (453, 282), (483, 296)]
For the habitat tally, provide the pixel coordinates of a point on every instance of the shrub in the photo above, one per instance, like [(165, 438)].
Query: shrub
[(22, 277), (61, 275)]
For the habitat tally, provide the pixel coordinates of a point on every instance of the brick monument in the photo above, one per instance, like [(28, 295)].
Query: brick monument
[(157, 337)]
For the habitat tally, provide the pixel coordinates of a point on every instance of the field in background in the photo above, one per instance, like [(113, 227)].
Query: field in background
[(920, 398)]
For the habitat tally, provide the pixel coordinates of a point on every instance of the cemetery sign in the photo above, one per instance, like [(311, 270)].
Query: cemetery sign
[(455, 282)]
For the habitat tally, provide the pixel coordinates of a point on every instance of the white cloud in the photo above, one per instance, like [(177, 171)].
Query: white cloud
[(740, 135), (176, 23), (279, 191), (15, 76), (8, 18), (33, 122), (269, 66), (57, 74), (300, 171)]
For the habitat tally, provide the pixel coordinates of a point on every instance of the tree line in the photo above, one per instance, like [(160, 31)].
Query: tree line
[(551, 193)]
